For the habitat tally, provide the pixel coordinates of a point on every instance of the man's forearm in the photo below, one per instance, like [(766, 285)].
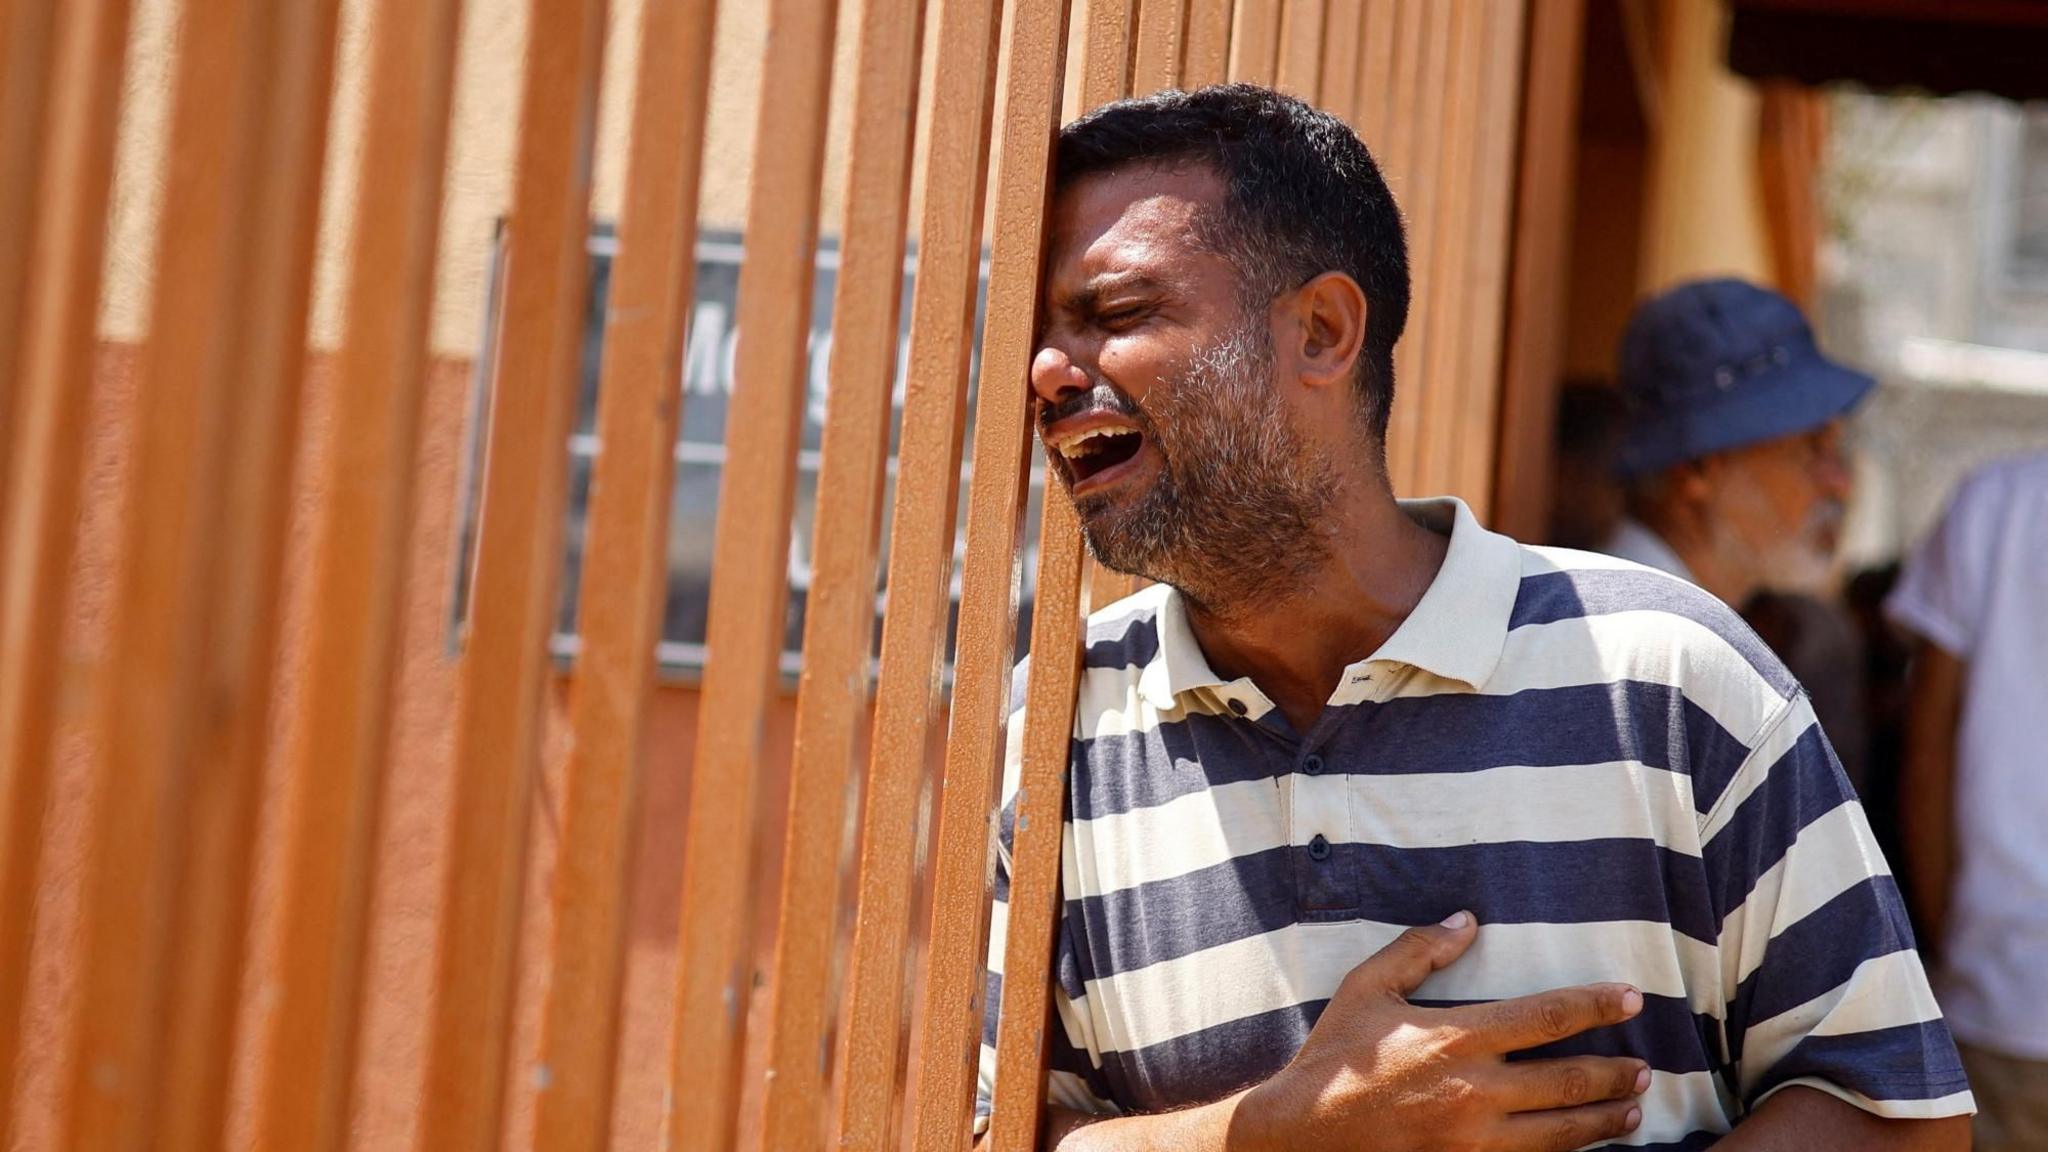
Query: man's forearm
[(1207, 1128), (1802, 1119)]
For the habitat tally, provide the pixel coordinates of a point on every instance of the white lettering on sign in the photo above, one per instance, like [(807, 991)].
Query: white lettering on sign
[(708, 361)]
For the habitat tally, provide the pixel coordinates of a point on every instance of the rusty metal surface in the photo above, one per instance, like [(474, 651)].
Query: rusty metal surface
[(1533, 342), (1445, 310), (39, 529), (639, 407), (27, 31), (908, 695), (291, 95), (749, 582), (1473, 453), (163, 912), (1162, 45), (1207, 59), (335, 767), (1036, 39), (839, 622), (1056, 635), (1299, 67), (512, 600), (1255, 41)]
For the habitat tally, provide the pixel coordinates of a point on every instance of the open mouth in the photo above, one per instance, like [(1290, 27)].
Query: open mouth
[(1097, 451)]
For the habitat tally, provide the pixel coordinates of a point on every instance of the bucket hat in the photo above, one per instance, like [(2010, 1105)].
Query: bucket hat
[(1715, 365)]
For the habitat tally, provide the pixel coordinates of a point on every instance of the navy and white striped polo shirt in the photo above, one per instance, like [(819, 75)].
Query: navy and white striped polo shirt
[(1601, 761)]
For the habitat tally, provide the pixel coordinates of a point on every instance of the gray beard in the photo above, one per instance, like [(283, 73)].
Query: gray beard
[(1234, 518)]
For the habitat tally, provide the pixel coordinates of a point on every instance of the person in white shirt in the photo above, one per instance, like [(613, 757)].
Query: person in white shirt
[(1975, 785)]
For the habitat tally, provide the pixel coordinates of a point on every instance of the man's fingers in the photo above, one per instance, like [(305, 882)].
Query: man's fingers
[(1402, 966), (1547, 1017), (1569, 1128), (1540, 1085)]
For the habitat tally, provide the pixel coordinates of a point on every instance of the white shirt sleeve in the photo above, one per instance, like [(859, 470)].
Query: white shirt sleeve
[(1941, 591)]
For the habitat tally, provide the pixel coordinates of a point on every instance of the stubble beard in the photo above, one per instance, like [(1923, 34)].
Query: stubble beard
[(1800, 561), (1235, 517)]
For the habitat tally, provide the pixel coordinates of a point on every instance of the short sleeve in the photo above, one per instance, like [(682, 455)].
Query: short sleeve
[(1821, 983), (1074, 1077), (1940, 594)]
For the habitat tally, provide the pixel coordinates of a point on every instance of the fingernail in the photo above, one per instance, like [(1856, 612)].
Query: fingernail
[(1631, 1002), (1643, 1080), (1635, 1118), (1457, 919)]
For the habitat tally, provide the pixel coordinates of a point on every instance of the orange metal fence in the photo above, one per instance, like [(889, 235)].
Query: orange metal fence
[(182, 734)]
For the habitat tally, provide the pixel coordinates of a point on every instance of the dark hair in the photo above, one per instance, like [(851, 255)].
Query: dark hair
[(1302, 197)]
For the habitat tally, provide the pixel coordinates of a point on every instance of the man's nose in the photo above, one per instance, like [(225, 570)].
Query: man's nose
[(1055, 376), (1836, 472)]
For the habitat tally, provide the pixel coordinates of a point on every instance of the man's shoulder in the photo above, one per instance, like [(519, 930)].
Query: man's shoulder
[(1990, 490), (1633, 622), (1565, 584), (2026, 471), (1123, 637), (1121, 640)]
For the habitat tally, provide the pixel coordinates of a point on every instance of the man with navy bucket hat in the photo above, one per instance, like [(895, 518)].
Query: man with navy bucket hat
[(1737, 474)]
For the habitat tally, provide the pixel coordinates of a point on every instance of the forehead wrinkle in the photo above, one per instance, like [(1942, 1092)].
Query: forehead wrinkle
[(1146, 244)]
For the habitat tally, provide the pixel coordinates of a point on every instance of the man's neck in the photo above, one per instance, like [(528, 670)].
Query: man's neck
[(1296, 645), (1692, 540)]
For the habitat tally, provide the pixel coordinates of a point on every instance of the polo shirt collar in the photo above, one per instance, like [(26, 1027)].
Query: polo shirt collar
[(1180, 666), (1460, 626), (1457, 630)]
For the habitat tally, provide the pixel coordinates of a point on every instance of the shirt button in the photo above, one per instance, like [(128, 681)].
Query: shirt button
[(1319, 849), (1313, 765), (1238, 707)]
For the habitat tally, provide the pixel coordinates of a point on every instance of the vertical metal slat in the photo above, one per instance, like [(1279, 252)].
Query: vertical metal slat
[(1036, 44), (1473, 455), (839, 622), (333, 769), (914, 634), (280, 231), (38, 531), (1375, 74), (27, 28), (512, 600), (1447, 312), (173, 671), (1300, 56), (1208, 51), (1255, 41), (1162, 44), (1056, 636), (750, 584), (1343, 25), (1533, 336), (626, 556), (1420, 59)]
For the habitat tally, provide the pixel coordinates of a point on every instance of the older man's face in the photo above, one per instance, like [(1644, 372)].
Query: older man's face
[(1777, 507), (1160, 408)]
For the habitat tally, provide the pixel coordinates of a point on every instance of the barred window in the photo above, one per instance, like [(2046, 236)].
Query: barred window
[(707, 382)]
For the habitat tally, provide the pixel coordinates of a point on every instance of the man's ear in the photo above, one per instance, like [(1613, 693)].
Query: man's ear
[(1695, 481), (1328, 329)]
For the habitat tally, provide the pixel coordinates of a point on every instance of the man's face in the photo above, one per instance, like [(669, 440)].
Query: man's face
[(1777, 507), (1160, 408)]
